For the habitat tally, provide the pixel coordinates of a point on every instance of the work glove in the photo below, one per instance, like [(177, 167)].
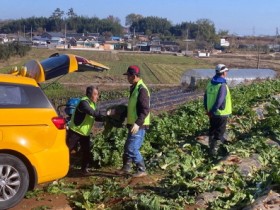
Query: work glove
[(135, 128), (111, 112)]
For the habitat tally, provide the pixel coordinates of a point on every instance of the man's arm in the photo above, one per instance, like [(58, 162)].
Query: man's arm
[(205, 100), (142, 106), (86, 108), (220, 101)]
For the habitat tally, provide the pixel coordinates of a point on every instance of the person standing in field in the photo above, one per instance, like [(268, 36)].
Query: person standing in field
[(218, 106), (81, 124), (138, 121)]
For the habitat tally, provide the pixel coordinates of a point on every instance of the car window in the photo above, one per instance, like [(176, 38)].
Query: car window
[(22, 96), (55, 66), (10, 95)]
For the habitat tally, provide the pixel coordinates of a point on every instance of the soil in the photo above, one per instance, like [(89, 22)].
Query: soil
[(60, 202), (46, 200)]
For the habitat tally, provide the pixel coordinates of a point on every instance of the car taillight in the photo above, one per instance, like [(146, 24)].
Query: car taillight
[(59, 122)]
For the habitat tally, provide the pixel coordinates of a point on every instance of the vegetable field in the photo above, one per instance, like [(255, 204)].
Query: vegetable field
[(182, 175)]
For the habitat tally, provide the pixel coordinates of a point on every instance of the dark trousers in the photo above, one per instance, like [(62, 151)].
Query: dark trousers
[(73, 139), (217, 127)]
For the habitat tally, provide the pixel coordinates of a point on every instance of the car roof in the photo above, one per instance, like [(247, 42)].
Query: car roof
[(7, 78)]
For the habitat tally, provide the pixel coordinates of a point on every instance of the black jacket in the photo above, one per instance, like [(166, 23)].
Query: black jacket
[(83, 109)]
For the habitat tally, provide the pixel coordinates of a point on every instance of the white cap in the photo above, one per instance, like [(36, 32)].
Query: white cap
[(220, 68)]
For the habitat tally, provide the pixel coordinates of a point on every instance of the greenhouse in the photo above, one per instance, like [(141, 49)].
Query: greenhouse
[(234, 77)]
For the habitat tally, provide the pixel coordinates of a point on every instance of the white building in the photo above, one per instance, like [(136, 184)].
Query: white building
[(3, 38), (224, 43)]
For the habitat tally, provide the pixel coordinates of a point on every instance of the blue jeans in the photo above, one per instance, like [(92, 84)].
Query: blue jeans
[(132, 146)]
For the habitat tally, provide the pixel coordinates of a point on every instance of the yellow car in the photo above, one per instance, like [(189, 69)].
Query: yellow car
[(33, 146)]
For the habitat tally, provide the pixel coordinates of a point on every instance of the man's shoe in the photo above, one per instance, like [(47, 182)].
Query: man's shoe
[(213, 151), (86, 172), (139, 174), (122, 172)]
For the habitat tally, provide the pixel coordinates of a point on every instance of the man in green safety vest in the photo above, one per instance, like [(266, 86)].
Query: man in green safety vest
[(81, 124), (217, 103), (138, 121)]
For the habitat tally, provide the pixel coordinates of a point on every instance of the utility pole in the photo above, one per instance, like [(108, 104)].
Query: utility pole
[(276, 40), (65, 42), (259, 57), (133, 40), (31, 35), (258, 50), (187, 44)]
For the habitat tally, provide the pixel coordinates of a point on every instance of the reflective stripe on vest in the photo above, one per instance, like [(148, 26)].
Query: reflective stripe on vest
[(131, 108), (212, 93), (85, 127)]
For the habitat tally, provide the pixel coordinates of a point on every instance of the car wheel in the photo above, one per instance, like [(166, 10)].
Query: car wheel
[(14, 180)]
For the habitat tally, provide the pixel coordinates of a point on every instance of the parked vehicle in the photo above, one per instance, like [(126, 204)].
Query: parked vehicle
[(32, 139), (33, 146)]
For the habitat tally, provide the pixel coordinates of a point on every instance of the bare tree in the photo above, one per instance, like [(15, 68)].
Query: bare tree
[(71, 13), (57, 14)]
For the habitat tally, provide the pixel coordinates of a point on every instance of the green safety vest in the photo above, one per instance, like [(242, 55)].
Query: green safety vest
[(131, 108), (85, 127), (212, 93)]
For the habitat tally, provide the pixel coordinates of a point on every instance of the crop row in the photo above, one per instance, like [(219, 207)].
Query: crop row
[(160, 100), (245, 169), (191, 173)]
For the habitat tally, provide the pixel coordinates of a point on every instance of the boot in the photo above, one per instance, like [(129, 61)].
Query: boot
[(141, 170), (86, 172), (126, 166), (213, 149)]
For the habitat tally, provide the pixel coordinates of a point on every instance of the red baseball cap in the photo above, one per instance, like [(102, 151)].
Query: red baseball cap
[(133, 70)]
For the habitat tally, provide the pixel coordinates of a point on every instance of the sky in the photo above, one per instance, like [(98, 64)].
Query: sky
[(239, 17)]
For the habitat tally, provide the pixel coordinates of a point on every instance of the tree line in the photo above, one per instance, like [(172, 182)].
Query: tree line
[(58, 22), (202, 30)]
